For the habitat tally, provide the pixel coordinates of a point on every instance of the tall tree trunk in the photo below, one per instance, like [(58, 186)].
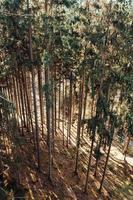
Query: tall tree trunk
[(59, 105), (53, 109), (25, 102), (89, 162), (107, 158), (126, 144), (84, 109), (19, 104), (97, 158), (48, 108), (48, 114), (55, 99), (79, 125), (36, 119), (92, 106), (105, 167), (34, 89), (70, 108), (28, 107), (22, 100), (41, 99), (63, 107), (16, 101)]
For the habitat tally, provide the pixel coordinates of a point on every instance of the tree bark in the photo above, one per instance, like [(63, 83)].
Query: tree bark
[(79, 126), (126, 144), (89, 163), (34, 89), (41, 99)]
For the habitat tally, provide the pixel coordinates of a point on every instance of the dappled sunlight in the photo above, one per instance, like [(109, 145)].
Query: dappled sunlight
[(66, 100)]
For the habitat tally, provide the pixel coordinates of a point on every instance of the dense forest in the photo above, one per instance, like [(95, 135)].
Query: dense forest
[(66, 100)]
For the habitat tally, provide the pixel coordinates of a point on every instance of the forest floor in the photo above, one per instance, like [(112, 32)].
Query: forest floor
[(65, 184)]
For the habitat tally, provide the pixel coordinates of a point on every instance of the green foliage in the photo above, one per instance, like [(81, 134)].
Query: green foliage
[(129, 120), (3, 194), (97, 153), (6, 105), (66, 3), (12, 5), (74, 38), (47, 60), (102, 106)]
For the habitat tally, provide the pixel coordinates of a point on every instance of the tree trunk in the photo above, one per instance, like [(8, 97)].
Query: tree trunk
[(28, 107), (16, 101), (105, 167), (97, 159), (36, 119), (34, 89), (53, 110), (19, 104), (41, 99), (107, 158), (55, 93), (63, 112), (59, 103), (79, 125), (48, 114), (126, 144), (70, 109), (84, 109), (89, 163), (22, 100)]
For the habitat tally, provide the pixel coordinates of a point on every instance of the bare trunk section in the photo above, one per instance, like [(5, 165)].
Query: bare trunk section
[(48, 114), (55, 100), (84, 109), (29, 107), (53, 110), (97, 158), (19, 104), (89, 163), (41, 99), (34, 89), (59, 105), (105, 167), (63, 111), (126, 144), (79, 125), (36, 119), (70, 109)]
